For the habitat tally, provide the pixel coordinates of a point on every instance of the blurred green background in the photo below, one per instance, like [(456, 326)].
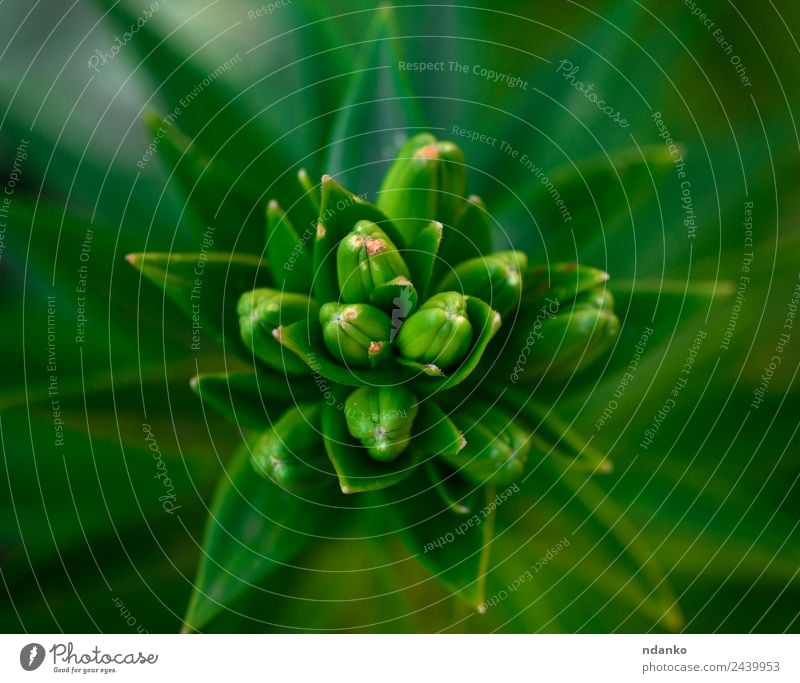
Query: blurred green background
[(706, 516)]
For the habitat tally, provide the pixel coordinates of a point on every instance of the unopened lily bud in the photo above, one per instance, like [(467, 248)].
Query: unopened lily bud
[(561, 282), (426, 182), (495, 452), (381, 418), (496, 278), (291, 452), (365, 259), (356, 334), (564, 342), (439, 333), (261, 312)]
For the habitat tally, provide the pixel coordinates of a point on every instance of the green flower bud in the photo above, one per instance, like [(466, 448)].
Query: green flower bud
[(496, 449), (356, 334), (261, 313), (365, 259), (560, 282), (439, 333), (291, 453), (497, 279), (426, 182), (561, 340), (381, 418)]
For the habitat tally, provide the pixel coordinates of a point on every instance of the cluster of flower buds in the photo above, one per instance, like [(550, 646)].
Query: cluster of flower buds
[(391, 308)]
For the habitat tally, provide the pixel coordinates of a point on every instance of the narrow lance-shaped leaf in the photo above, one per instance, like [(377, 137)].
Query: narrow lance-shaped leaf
[(252, 400), (288, 251), (456, 493), (453, 547), (421, 256), (254, 528), (206, 287), (468, 238), (559, 283), (436, 435), (661, 602), (554, 436), (594, 195)]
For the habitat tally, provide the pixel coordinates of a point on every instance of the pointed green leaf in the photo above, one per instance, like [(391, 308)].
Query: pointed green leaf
[(554, 436), (289, 254), (357, 471), (254, 528), (562, 282), (596, 194), (575, 561), (398, 297), (454, 550), (252, 400), (660, 602), (458, 494), (660, 309), (420, 256), (434, 432), (469, 238), (181, 78), (595, 186), (428, 369), (206, 287), (307, 206)]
